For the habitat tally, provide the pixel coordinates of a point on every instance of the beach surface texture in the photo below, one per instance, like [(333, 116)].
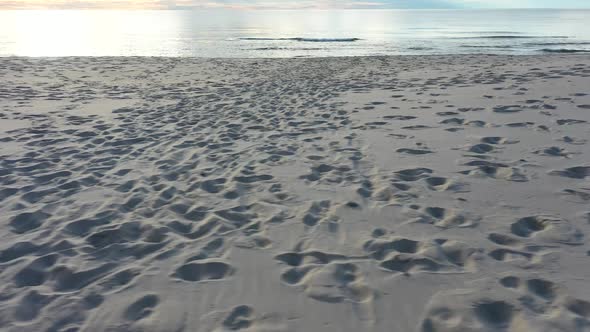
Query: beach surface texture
[(409, 193)]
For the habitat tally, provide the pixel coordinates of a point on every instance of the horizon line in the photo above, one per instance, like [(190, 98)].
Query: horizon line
[(286, 9)]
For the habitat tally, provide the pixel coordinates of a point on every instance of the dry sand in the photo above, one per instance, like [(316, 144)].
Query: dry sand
[(443, 193)]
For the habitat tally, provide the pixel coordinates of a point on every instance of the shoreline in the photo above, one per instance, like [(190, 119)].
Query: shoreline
[(304, 58)]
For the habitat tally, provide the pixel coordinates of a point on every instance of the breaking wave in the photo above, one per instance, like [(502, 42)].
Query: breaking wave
[(302, 39)]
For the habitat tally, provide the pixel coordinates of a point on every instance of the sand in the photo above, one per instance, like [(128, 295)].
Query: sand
[(432, 193)]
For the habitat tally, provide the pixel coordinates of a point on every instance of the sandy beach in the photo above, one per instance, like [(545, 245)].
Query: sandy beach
[(401, 193)]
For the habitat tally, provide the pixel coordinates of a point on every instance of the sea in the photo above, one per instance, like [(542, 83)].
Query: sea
[(225, 33)]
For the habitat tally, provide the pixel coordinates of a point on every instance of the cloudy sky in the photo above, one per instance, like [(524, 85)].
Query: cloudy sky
[(289, 4)]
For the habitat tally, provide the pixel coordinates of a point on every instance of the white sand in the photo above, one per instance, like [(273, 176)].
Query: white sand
[(345, 194)]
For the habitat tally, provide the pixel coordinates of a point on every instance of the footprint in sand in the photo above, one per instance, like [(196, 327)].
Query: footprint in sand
[(31, 305), (563, 122), (495, 140), (577, 172), (413, 174), (481, 148), (547, 229), (142, 307), (28, 221), (441, 184), (243, 317), (496, 171), (513, 303), (508, 109), (576, 195), (37, 272), (203, 271), (406, 256), (414, 151), (553, 151)]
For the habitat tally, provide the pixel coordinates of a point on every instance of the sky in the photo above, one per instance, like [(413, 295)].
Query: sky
[(287, 4)]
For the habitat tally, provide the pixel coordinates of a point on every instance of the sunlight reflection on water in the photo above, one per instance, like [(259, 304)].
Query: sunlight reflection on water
[(232, 33)]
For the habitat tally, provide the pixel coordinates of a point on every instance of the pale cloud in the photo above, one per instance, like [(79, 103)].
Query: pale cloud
[(271, 4), (282, 4), (235, 4), (80, 4)]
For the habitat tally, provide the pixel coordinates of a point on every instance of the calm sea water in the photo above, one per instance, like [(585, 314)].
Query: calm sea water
[(232, 33)]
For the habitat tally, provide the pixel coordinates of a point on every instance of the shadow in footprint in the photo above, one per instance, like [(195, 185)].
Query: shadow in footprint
[(142, 307)]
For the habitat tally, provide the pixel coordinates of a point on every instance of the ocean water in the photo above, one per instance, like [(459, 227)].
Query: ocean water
[(313, 33)]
